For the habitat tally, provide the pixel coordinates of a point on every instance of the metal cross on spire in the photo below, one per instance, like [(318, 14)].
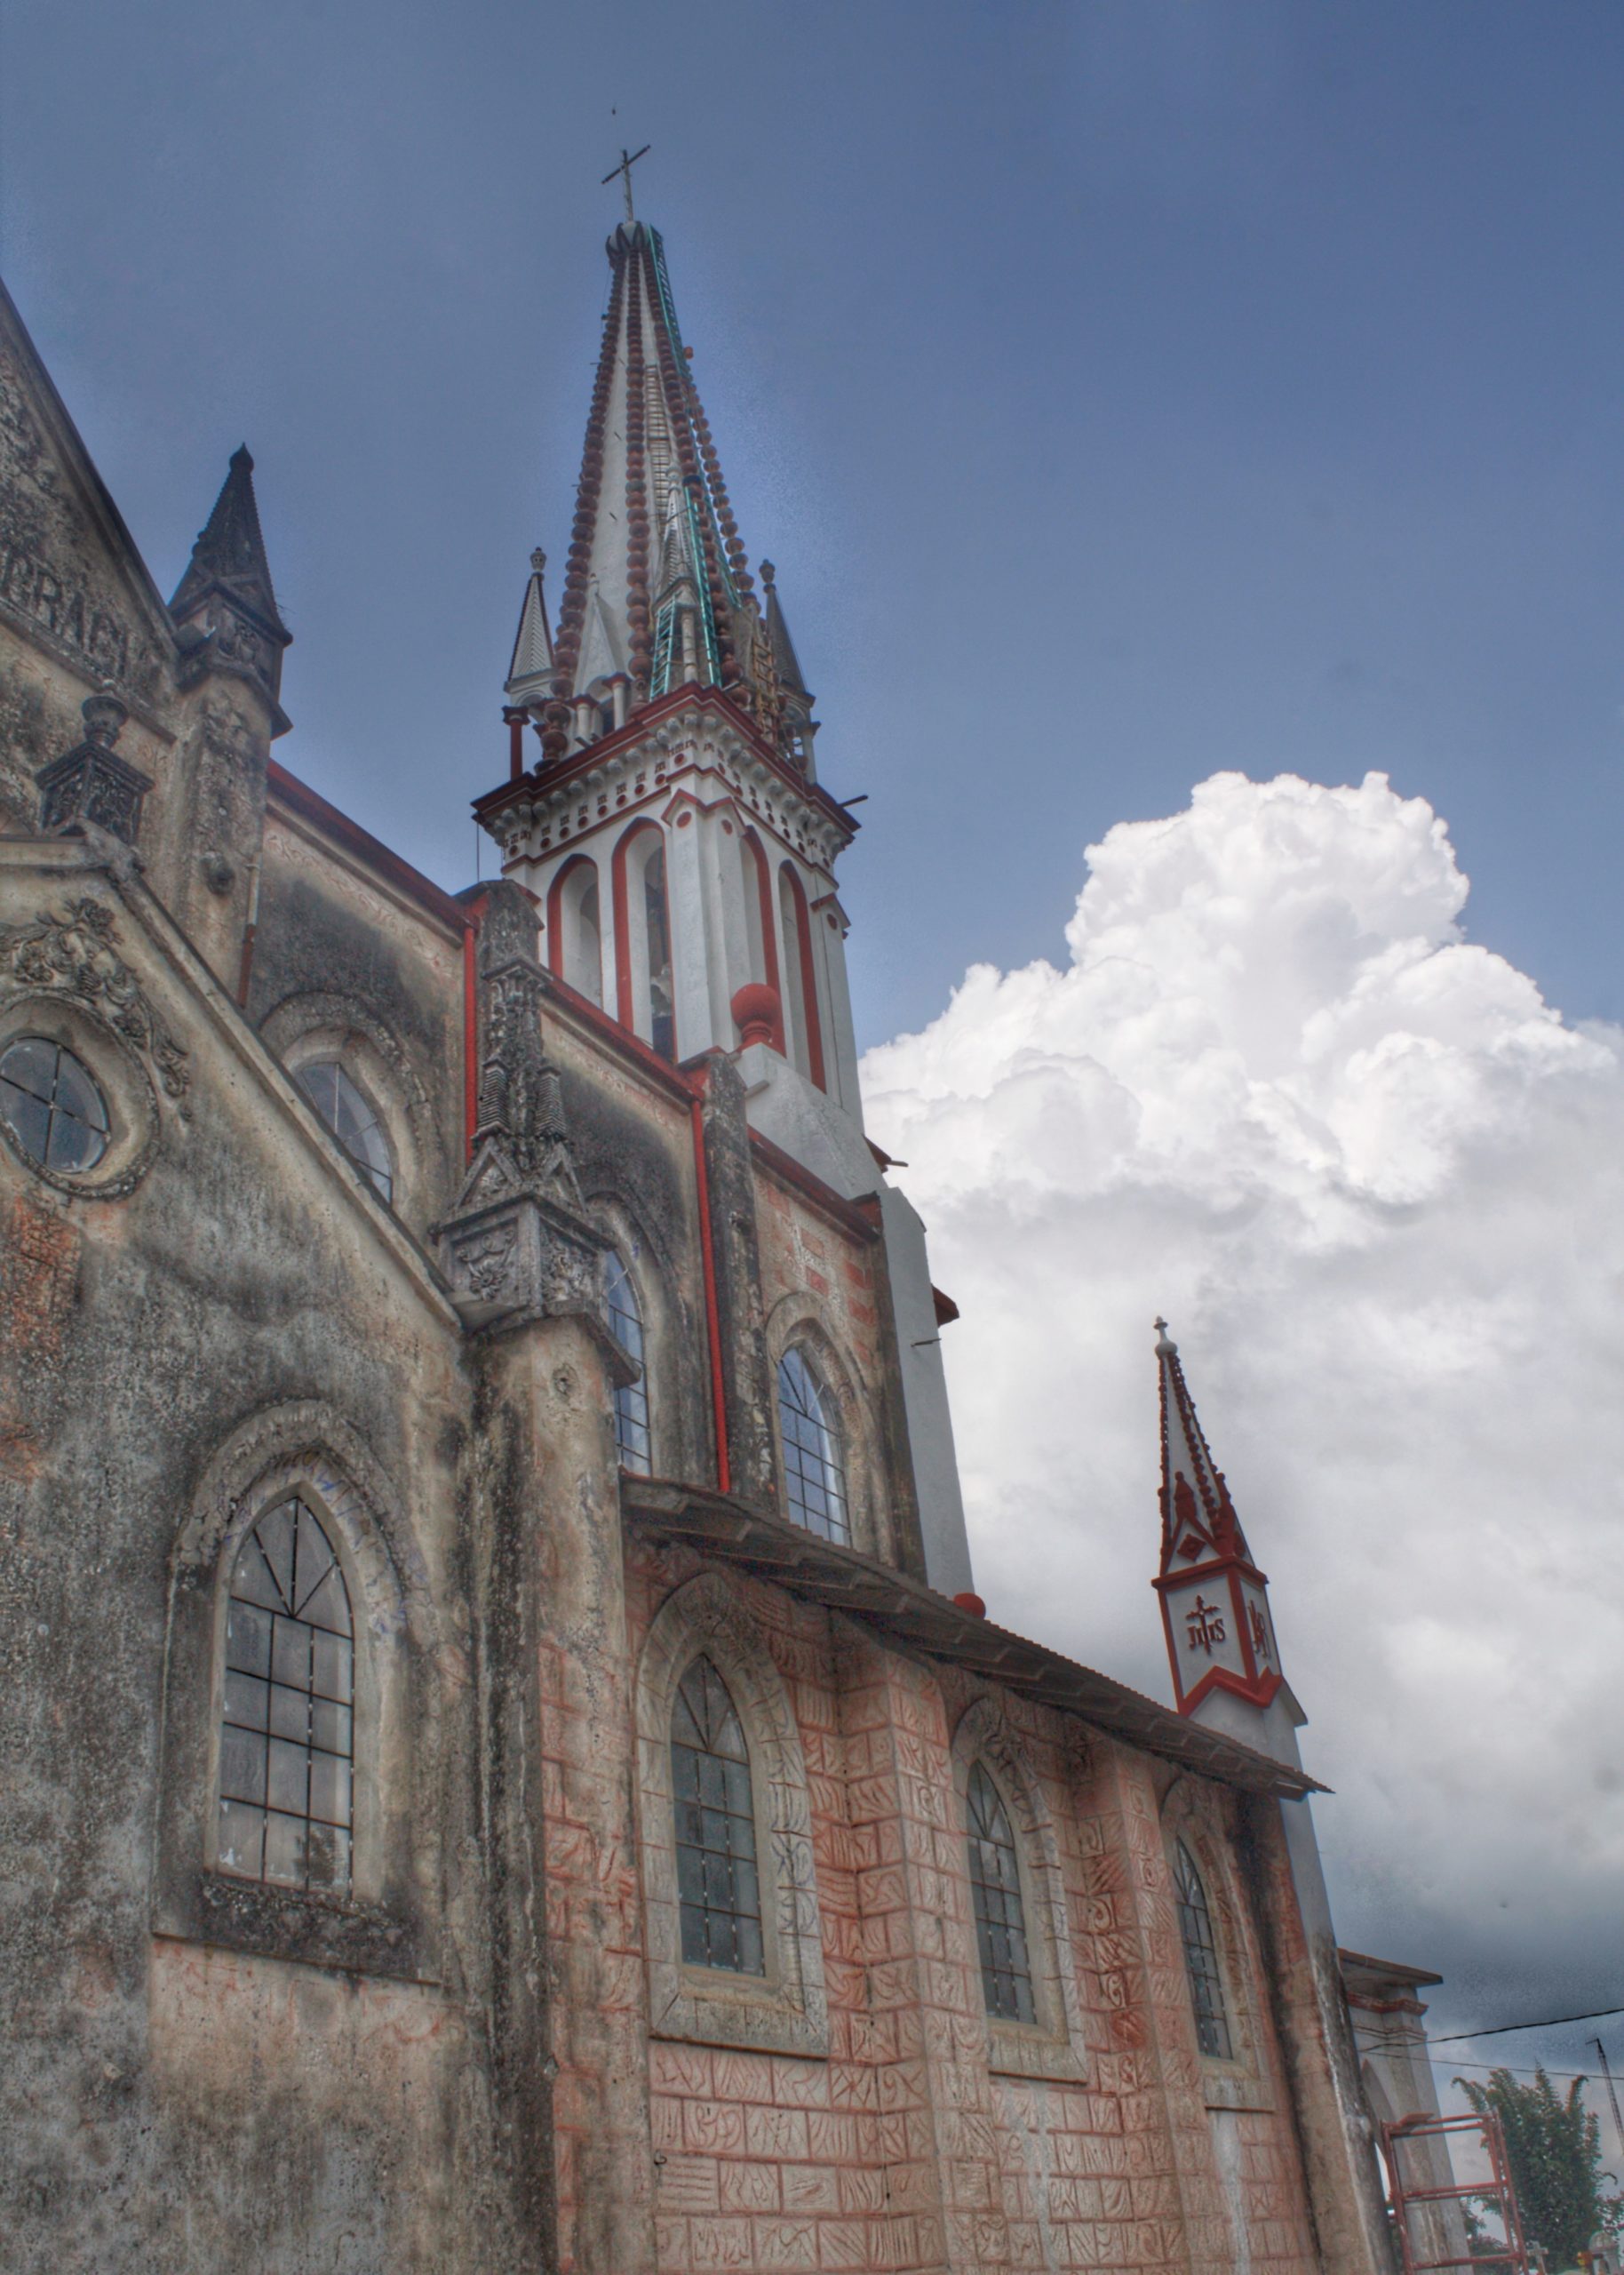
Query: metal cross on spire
[(628, 159)]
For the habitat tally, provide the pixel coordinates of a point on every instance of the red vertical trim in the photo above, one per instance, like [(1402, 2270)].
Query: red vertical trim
[(769, 932), (713, 1317), (515, 746), (808, 980)]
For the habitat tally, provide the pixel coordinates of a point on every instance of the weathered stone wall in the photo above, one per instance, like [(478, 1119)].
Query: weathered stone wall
[(343, 965), (164, 2106), (916, 2142)]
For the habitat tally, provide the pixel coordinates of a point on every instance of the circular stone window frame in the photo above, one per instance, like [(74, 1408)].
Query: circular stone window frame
[(125, 1086)]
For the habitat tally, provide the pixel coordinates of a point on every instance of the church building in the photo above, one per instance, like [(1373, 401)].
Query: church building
[(505, 1768)]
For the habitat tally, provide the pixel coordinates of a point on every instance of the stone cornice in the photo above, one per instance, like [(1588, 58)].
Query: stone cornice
[(698, 731), (542, 815)]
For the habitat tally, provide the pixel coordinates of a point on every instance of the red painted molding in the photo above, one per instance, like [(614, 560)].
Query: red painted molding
[(847, 1214), (631, 1048), (300, 798)]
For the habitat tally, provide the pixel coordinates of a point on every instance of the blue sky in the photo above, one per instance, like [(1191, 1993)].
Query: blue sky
[(1123, 391)]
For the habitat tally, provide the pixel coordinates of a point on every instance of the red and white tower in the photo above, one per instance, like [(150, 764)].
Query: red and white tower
[(664, 809), (672, 827), (1221, 1639)]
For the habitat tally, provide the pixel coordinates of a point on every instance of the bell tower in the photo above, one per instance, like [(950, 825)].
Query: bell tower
[(663, 805), (664, 811), (1221, 1639)]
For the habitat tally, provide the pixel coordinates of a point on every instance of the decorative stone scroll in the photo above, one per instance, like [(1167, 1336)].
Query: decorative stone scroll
[(75, 954)]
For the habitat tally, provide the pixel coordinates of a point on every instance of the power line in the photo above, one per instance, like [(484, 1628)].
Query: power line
[(1554, 2021)]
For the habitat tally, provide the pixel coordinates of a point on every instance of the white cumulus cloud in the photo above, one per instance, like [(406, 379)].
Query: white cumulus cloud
[(1377, 1185)]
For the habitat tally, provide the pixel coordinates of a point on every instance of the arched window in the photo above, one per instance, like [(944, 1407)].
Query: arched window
[(1200, 1957), (575, 936), (1000, 1920), (814, 1459), (806, 1027), (625, 1318), (350, 1115), (285, 1736), (644, 996), (761, 926), (718, 1888)]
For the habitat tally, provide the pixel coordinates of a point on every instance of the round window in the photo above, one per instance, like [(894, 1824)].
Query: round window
[(52, 1106)]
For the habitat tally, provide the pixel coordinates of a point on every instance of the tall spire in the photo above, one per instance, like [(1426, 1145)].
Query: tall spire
[(224, 607), (657, 590), (1214, 1600)]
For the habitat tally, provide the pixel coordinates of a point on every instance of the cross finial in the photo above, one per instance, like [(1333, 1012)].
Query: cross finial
[(628, 159)]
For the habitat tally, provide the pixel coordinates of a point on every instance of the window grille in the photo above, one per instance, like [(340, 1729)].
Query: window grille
[(52, 1105), (1200, 1957), (1000, 1920), (344, 1110), (633, 1435), (814, 1459), (286, 1746), (718, 1888)]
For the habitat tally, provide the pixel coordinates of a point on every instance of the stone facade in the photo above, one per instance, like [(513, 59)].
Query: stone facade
[(479, 2049)]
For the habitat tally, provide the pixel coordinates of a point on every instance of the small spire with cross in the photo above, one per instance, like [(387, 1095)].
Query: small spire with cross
[(628, 159)]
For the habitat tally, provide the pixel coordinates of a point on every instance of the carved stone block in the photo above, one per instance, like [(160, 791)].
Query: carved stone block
[(91, 782)]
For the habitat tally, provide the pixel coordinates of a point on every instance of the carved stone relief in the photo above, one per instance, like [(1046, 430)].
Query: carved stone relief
[(75, 953)]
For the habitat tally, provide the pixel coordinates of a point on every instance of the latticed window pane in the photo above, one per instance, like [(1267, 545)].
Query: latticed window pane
[(286, 1738), (626, 1319), (343, 1108), (1000, 1920), (814, 1461), (1200, 1957), (52, 1105), (718, 1888)]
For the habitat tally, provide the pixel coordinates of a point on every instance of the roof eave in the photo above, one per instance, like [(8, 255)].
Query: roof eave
[(916, 1616)]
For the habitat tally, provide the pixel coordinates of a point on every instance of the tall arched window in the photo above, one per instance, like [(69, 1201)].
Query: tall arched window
[(814, 1456), (1000, 1920), (760, 925), (644, 992), (718, 1887), (575, 941), (349, 1113), (625, 1318), (805, 1025), (1200, 1957), (285, 1735)]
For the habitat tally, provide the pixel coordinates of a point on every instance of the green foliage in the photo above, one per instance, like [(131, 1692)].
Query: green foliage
[(1553, 2146)]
